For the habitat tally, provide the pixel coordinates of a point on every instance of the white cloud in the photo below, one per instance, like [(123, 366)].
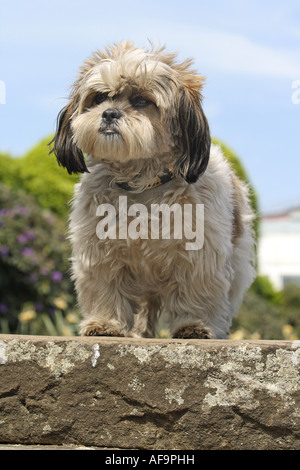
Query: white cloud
[(233, 53), (222, 50)]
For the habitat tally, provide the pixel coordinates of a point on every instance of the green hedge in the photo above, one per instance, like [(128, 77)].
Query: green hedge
[(239, 169), (38, 174)]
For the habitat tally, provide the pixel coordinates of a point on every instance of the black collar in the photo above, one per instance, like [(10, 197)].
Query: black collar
[(167, 175)]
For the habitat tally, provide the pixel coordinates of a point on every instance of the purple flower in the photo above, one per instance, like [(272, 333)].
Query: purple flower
[(30, 234), (39, 307), (56, 276), (21, 210), (25, 237), (4, 250), (51, 311), (4, 212), (22, 238), (27, 252), (3, 308)]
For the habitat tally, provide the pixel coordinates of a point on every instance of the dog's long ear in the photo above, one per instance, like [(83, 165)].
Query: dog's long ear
[(66, 151), (195, 137)]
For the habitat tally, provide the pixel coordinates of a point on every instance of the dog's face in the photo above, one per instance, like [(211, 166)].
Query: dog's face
[(130, 104)]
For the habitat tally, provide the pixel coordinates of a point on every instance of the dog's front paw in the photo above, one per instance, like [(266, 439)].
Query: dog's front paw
[(192, 332), (93, 328)]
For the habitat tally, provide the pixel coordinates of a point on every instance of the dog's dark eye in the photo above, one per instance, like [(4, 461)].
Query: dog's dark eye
[(99, 98), (139, 101)]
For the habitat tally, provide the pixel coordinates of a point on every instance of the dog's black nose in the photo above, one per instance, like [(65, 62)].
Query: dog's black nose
[(111, 114)]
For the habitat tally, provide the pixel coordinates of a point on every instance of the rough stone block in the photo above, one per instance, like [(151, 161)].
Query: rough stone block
[(150, 394)]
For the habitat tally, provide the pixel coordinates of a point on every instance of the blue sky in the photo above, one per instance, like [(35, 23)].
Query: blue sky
[(249, 51)]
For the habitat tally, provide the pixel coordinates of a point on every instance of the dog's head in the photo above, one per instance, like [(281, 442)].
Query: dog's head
[(130, 104)]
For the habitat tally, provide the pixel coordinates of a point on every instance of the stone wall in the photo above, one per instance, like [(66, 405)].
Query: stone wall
[(149, 394)]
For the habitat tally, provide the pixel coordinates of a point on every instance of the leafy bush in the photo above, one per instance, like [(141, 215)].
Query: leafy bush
[(34, 278), (237, 166), (263, 287), (267, 313), (39, 175), (257, 319), (290, 307)]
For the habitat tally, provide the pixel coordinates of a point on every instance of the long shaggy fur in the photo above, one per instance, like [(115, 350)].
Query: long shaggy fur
[(133, 112)]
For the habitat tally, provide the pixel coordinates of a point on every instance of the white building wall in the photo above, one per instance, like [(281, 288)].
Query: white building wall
[(279, 249)]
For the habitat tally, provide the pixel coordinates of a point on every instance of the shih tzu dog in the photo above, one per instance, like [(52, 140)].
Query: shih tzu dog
[(135, 127)]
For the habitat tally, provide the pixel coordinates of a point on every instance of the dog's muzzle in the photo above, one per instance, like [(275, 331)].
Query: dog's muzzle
[(111, 115), (109, 123)]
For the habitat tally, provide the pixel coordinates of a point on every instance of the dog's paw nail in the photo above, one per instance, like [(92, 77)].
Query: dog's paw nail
[(93, 333)]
